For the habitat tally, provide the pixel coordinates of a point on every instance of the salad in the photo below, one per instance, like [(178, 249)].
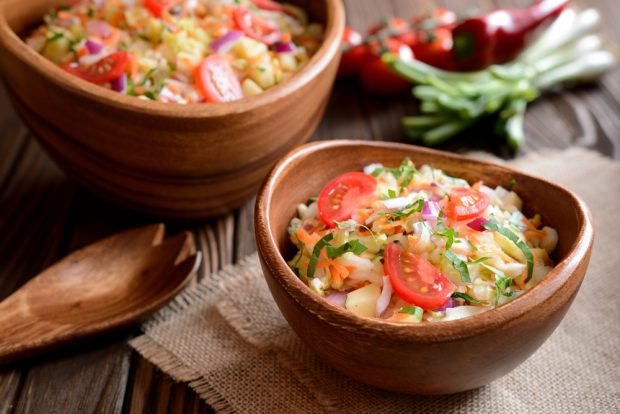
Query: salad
[(182, 51), (409, 244)]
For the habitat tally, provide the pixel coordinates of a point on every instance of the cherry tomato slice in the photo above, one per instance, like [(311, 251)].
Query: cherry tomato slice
[(342, 195), (255, 27), (466, 203), (376, 76), (415, 279), (158, 7), (268, 5), (105, 70), (217, 81)]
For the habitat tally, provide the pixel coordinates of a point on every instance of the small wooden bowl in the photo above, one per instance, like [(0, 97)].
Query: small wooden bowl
[(175, 161), (429, 358)]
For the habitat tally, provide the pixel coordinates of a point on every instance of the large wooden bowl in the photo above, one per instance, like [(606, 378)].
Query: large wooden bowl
[(177, 161), (428, 358)]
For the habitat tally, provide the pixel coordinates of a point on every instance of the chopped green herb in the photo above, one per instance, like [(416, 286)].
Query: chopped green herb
[(458, 264), (406, 211), (445, 231), (150, 95), (416, 311), (494, 226), (55, 36), (512, 183), (468, 299), (91, 12), (353, 246), (391, 193), (501, 285), (479, 261), (314, 258), (64, 7), (404, 172)]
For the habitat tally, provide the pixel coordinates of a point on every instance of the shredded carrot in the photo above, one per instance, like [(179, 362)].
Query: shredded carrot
[(173, 88), (464, 252), (533, 234), (64, 15), (306, 238), (286, 37), (133, 65), (342, 270), (112, 40), (82, 52)]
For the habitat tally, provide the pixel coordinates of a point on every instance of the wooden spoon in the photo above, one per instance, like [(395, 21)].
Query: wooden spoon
[(112, 283)]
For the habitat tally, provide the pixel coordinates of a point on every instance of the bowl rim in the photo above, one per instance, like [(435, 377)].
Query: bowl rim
[(443, 331), (329, 49)]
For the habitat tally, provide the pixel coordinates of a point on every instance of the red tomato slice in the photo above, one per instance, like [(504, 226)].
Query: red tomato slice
[(217, 81), (342, 195), (415, 279), (268, 5), (105, 70), (466, 203), (157, 7), (255, 27), (376, 76)]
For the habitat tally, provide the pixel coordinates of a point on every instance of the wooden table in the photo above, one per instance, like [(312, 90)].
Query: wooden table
[(44, 216)]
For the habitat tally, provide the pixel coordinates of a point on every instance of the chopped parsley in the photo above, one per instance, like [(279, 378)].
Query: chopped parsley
[(406, 211), (511, 184), (445, 231), (502, 284)]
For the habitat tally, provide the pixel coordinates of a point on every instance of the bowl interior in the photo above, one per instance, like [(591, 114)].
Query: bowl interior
[(303, 174)]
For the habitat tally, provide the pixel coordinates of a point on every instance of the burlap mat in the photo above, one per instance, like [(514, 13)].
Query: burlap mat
[(226, 338)]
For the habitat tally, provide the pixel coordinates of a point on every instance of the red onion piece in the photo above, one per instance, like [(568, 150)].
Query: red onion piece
[(224, 43), (99, 28), (385, 297), (119, 84), (431, 210), (93, 47), (284, 47), (337, 298), (477, 224), (450, 303)]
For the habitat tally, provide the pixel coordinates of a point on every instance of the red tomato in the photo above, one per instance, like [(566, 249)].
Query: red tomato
[(435, 48), (376, 76), (439, 17), (157, 7), (342, 195), (268, 5), (466, 203), (415, 279), (103, 71), (354, 53), (255, 27), (216, 80)]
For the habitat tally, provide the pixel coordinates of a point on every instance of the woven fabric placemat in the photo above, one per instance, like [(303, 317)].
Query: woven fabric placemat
[(226, 338)]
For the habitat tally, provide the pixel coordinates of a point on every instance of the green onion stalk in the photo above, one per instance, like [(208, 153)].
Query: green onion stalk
[(451, 102)]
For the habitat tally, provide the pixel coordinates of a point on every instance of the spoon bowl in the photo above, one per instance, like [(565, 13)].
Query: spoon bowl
[(109, 284)]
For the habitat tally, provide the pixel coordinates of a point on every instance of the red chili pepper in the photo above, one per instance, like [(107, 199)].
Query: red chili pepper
[(499, 36)]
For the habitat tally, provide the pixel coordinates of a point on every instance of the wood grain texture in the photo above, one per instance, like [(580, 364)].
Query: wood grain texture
[(494, 349), (43, 217), (115, 282)]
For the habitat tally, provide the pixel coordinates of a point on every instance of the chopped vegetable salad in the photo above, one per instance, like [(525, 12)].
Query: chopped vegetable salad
[(182, 51), (409, 244)]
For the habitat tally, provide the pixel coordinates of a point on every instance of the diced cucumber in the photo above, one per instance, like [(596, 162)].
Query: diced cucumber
[(363, 301), (288, 62), (262, 73), (250, 88), (247, 48), (57, 49)]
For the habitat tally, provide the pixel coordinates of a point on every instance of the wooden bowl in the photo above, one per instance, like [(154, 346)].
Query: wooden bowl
[(428, 358), (176, 161)]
